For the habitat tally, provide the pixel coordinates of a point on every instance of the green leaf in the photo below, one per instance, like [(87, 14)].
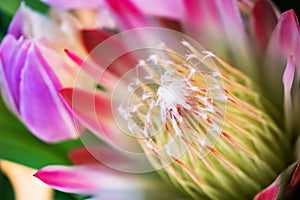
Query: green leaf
[(10, 7), (66, 196), (4, 22), (37, 5), (6, 189), (18, 145)]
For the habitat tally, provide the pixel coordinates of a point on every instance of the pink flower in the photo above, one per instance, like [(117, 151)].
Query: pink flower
[(33, 70), (256, 51)]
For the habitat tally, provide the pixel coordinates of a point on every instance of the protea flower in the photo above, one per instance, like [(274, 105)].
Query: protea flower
[(172, 104)]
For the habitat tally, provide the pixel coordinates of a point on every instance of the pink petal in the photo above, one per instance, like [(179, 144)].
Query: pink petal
[(89, 108), (283, 43), (270, 193), (223, 15), (82, 156), (95, 112), (215, 24), (263, 20), (107, 79), (92, 38), (76, 179), (285, 36), (96, 180), (41, 107), (288, 79), (129, 16), (113, 47), (97, 154), (284, 186), (172, 9), (74, 4)]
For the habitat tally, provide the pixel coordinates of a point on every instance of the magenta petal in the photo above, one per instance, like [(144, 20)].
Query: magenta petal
[(263, 20), (79, 179), (129, 16), (41, 107), (270, 193), (285, 36), (74, 4)]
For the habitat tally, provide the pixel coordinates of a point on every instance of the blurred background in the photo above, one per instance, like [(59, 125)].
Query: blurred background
[(7, 10)]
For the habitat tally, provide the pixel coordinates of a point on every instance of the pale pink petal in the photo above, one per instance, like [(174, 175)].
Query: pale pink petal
[(218, 26), (288, 79), (263, 22), (104, 78), (74, 4), (172, 9)]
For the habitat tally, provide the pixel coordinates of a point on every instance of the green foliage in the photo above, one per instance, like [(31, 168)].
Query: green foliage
[(17, 144), (10, 7)]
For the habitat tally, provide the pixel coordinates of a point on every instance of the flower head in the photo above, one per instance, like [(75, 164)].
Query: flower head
[(219, 120)]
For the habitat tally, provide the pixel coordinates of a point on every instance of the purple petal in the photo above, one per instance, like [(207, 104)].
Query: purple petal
[(16, 25), (74, 4), (41, 107), (13, 56), (263, 20)]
